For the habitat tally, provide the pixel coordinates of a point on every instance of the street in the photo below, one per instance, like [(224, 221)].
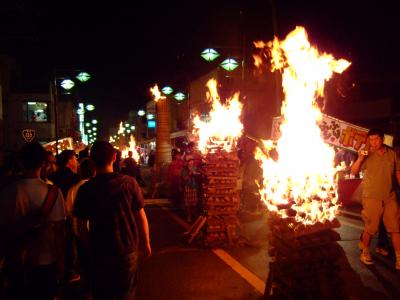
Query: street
[(178, 270)]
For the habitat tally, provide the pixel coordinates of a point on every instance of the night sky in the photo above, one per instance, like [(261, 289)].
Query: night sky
[(127, 47)]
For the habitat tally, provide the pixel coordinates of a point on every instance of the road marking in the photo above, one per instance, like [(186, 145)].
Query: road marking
[(350, 224), (243, 272), (256, 282), (345, 212)]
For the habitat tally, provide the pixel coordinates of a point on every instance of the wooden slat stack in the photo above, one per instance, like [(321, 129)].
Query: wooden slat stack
[(221, 198), (305, 260)]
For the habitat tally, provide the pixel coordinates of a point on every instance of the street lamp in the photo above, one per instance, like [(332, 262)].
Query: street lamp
[(180, 96), (229, 64), (167, 90), (141, 113), (67, 84), (209, 54)]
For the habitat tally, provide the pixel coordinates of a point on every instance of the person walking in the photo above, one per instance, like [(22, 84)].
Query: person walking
[(114, 206), (65, 177), (32, 213), (380, 165)]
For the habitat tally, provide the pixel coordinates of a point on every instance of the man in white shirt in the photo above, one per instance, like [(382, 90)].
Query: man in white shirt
[(20, 201)]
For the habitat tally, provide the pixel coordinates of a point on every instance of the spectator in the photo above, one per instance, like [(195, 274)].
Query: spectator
[(174, 177), (190, 176), (114, 206), (131, 168), (379, 166), (32, 266), (65, 177), (87, 170)]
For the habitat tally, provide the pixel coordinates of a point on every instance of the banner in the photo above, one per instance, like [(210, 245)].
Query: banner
[(337, 133)]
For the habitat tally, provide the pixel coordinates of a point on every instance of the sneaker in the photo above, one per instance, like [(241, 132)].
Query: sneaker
[(365, 258), (382, 251)]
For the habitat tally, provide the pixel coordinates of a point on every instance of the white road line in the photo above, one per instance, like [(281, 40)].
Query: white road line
[(251, 278), (256, 282), (350, 224)]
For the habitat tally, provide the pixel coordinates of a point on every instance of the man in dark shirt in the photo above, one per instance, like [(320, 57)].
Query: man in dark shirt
[(131, 168), (113, 205)]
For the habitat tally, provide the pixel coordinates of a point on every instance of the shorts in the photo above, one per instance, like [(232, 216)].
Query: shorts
[(372, 212)]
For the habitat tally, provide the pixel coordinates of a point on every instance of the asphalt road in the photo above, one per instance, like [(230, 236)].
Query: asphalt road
[(181, 271)]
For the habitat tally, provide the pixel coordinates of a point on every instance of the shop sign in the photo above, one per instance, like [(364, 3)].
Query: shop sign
[(337, 133), (28, 135)]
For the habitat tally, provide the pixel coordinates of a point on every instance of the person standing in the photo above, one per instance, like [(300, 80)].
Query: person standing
[(32, 266), (380, 165), (65, 177), (114, 206)]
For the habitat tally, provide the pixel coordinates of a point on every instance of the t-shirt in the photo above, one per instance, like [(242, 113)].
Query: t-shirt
[(379, 172), (24, 198), (109, 201), (64, 178)]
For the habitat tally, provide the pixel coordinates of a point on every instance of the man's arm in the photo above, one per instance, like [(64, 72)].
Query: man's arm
[(356, 166), (144, 230)]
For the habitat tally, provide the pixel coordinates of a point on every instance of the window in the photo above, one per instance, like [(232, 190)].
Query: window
[(36, 112)]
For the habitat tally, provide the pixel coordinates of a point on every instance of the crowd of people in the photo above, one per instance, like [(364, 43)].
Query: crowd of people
[(71, 218)]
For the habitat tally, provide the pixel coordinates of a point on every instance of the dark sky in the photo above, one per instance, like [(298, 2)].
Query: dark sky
[(128, 46)]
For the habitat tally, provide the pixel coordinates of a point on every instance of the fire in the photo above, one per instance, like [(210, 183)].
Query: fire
[(300, 182), (224, 126), (132, 147), (121, 128), (156, 93)]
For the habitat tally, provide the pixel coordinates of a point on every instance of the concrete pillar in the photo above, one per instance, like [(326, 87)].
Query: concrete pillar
[(163, 137)]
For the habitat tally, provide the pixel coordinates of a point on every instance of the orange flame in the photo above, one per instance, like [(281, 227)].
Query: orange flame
[(301, 179), (121, 128), (156, 93), (132, 147), (224, 126)]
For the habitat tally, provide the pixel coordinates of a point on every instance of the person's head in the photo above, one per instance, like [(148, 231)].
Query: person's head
[(67, 159), (87, 168), (130, 153), (103, 154), (375, 138), (190, 163), (33, 156), (49, 165)]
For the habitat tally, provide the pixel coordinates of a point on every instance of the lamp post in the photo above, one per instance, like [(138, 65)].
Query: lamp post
[(67, 84)]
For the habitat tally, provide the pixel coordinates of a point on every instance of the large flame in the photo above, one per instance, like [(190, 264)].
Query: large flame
[(132, 147), (224, 127), (300, 181)]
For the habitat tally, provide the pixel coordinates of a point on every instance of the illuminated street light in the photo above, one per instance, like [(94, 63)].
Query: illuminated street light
[(67, 84), (141, 113), (127, 125), (83, 76), (180, 96), (209, 54), (88, 124), (229, 64), (150, 116), (94, 121), (90, 107), (94, 129), (167, 90), (133, 127)]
